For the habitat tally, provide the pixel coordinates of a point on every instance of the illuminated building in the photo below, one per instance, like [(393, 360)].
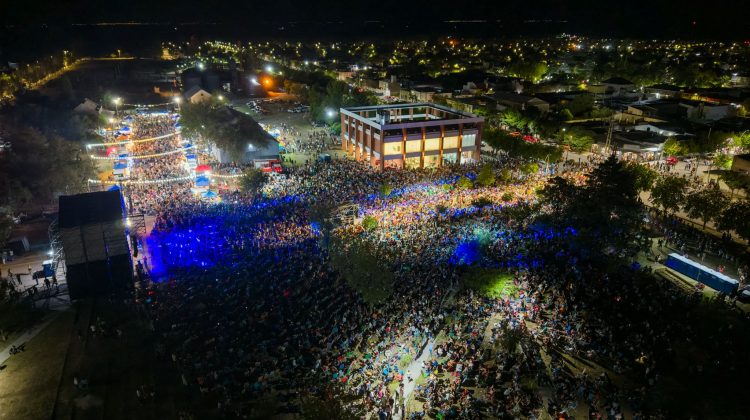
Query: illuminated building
[(418, 135)]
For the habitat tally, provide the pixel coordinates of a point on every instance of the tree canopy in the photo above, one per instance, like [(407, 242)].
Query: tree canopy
[(669, 192), (605, 212), (227, 129), (37, 167), (252, 181), (706, 204)]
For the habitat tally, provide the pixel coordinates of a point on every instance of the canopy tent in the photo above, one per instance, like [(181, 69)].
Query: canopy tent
[(125, 129), (209, 194), (202, 181), (120, 165), (203, 168), (129, 118), (114, 188), (177, 126)]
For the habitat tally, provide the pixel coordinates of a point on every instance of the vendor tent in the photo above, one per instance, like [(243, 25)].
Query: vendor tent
[(202, 181)]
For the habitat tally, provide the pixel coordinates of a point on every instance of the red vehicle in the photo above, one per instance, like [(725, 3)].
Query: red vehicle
[(268, 166)]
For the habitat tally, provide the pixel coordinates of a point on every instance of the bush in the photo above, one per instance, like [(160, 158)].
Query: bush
[(464, 183), (505, 175), (405, 361), (486, 176), (441, 209), (530, 168), (369, 223), (507, 197), (386, 189)]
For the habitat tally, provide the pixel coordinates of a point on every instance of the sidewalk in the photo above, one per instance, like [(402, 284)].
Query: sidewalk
[(28, 335)]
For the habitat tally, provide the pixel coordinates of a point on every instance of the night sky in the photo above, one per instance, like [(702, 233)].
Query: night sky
[(636, 18)]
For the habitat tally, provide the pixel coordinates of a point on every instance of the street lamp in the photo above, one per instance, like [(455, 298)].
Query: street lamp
[(116, 101), (269, 68), (330, 113)]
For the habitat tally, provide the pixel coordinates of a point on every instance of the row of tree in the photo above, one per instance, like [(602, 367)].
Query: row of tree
[(516, 146), (35, 169), (672, 194)]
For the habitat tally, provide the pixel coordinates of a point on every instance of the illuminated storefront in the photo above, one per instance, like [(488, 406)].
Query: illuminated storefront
[(411, 135)]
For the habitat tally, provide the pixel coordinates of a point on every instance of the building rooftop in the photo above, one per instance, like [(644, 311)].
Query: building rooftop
[(400, 114)]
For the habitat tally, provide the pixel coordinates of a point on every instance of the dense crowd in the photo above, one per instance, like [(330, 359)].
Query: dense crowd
[(259, 318)]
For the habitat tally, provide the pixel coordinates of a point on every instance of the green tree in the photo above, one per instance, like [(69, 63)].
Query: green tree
[(566, 115), (385, 189), (369, 223), (736, 217), (486, 177), (252, 181), (532, 71), (229, 130), (722, 161), (530, 168), (706, 204), (609, 224), (734, 180), (644, 176), (38, 168), (669, 193), (505, 175), (464, 183), (673, 147), (578, 139), (581, 104)]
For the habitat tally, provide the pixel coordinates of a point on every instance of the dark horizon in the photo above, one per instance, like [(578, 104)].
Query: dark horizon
[(691, 19)]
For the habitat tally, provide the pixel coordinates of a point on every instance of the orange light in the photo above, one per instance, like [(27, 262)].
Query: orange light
[(267, 81)]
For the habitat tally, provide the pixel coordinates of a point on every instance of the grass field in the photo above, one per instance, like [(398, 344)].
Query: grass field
[(490, 282)]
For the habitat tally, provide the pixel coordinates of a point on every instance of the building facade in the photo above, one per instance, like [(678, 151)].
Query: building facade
[(420, 135)]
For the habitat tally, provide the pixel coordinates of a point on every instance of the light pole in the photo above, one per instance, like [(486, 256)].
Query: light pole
[(116, 101), (177, 100)]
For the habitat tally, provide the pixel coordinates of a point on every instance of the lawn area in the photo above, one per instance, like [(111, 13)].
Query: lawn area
[(30, 380), (490, 282)]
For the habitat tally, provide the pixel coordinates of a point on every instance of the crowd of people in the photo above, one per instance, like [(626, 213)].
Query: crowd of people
[(259, 317)]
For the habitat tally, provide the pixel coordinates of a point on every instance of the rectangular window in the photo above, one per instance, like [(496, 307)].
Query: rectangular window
[(432, 144), (392, 148), (431, 161), (450, 143), (449, 158), (413, 162), (413, 146), (468, 140), (467, 157)]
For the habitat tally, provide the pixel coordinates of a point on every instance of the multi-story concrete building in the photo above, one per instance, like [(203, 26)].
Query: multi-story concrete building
[(418, 135)]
